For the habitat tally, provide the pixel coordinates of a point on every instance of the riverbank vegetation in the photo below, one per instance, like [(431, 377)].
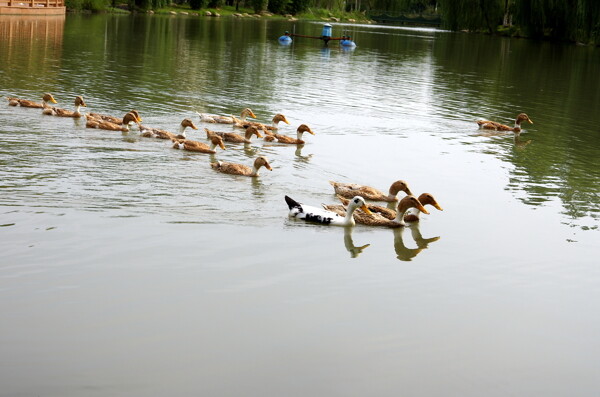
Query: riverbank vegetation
[(566, 20)]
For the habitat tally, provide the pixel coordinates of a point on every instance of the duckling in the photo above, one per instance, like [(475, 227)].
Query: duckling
[(325, 217), (492, 125), (240, 169), (235, 138), (211, 118), (163, 134), (195, 146), (268, 129), (377, 219), (412, 214), (289, 140), (31, 104), (54, 111), (351, 189)]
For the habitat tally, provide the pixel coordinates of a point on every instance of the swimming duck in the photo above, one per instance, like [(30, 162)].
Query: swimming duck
[(426, 199), (31, 104), (163, 134), (412, 214), (289, 140), (325, 217), (112, 119), (195, 146), (278, 118), (377, 219), (492, 125), (351, 189), (211, 118), (233, 137), (240, 169), (128, 119), (54, 111)]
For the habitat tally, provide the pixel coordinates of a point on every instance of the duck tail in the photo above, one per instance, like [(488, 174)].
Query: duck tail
[(332, 183), (291, 202)]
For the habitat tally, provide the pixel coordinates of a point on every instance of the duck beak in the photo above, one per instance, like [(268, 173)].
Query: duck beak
[(194, 126), (286, 121), (252, 115), (268, 166), (258, 135), (422, 209), (366, 209), (531, 121), (222, 146), (310, 132), (437, 206), (53, 100)]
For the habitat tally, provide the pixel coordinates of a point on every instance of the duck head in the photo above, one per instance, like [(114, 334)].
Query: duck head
[(358, 202), (280, 118), (523, 117), (79, 101), (217, 141), (49, 98), (427, 198), (252, 130), (130, 118), (185, 123), (304, 128), (407, 202), (136, 115), (262, 161), (247, 112), (399, 186)]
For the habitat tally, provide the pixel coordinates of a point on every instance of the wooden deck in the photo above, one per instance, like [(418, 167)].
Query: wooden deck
[(32, 7)]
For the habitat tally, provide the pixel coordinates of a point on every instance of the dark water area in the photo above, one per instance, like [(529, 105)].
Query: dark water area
[(132, 268)]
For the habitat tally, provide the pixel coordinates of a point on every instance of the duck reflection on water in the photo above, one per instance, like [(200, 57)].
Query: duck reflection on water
[(300, 157), (349, 243), (404, 253)]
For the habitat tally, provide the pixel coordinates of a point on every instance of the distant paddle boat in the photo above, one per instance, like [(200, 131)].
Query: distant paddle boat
[(326, 36)]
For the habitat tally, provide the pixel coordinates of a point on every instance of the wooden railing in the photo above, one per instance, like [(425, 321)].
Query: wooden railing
[(32, 3)]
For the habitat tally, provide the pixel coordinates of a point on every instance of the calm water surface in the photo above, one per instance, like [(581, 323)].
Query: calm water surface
[(130, 268)]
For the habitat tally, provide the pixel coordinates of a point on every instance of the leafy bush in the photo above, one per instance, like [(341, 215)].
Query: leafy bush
[(278, 6), (259, 5), (297, 6), (196, 4)]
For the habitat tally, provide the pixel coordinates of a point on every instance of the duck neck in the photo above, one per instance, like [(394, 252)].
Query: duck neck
[(182, 129), (213, 146), (299, 135), (400, 216), (254, 171), (248, 135), (349, 218)]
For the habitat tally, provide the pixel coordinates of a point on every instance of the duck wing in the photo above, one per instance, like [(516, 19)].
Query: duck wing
[(312, 214), (350, 190), (231, 168)]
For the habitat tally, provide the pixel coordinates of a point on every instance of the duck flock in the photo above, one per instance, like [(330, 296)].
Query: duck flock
[(353, 197)]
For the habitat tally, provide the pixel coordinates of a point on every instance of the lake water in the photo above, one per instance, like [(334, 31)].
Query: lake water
[(133, 269)]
